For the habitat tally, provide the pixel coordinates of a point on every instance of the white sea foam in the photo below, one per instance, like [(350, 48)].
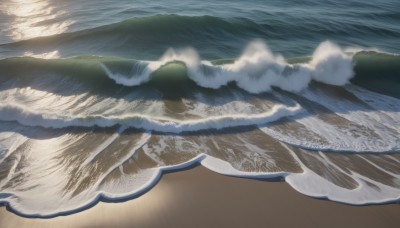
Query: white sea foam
[(41, 161), (372, 129), (255, 71), (33, 118), (33, 203), (368, 191), (331, 65)]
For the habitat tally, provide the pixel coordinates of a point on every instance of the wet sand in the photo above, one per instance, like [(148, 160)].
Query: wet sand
[(198, 197)]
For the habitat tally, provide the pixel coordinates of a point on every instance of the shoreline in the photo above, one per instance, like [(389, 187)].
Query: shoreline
[(197, 197)]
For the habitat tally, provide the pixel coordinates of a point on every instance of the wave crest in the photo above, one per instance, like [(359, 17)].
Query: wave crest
[(256, 70)]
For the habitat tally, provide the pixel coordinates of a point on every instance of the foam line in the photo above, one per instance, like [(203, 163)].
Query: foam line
[(35, 119), (307, 182)]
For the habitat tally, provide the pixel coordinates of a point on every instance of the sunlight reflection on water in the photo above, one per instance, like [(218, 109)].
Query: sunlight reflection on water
[(30, 19)]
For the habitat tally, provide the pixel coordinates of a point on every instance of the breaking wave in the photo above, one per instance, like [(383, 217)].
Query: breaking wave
[(256, 71)]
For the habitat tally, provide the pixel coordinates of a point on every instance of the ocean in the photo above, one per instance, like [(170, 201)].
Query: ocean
[(99, 98)]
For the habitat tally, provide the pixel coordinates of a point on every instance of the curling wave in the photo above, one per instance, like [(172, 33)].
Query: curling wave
[(256, 71)]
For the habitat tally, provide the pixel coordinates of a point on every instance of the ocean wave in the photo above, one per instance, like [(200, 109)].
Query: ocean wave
[(214, 37), (255, 71), (98, 114), (178, 27), (153, 26), (33, 118)]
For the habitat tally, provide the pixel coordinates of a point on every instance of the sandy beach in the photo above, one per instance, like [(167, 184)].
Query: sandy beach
[(198, 197)]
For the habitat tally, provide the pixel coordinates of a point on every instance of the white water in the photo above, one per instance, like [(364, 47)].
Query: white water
[(255, 71), (369, 127), (28, 117), (363, 128)]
